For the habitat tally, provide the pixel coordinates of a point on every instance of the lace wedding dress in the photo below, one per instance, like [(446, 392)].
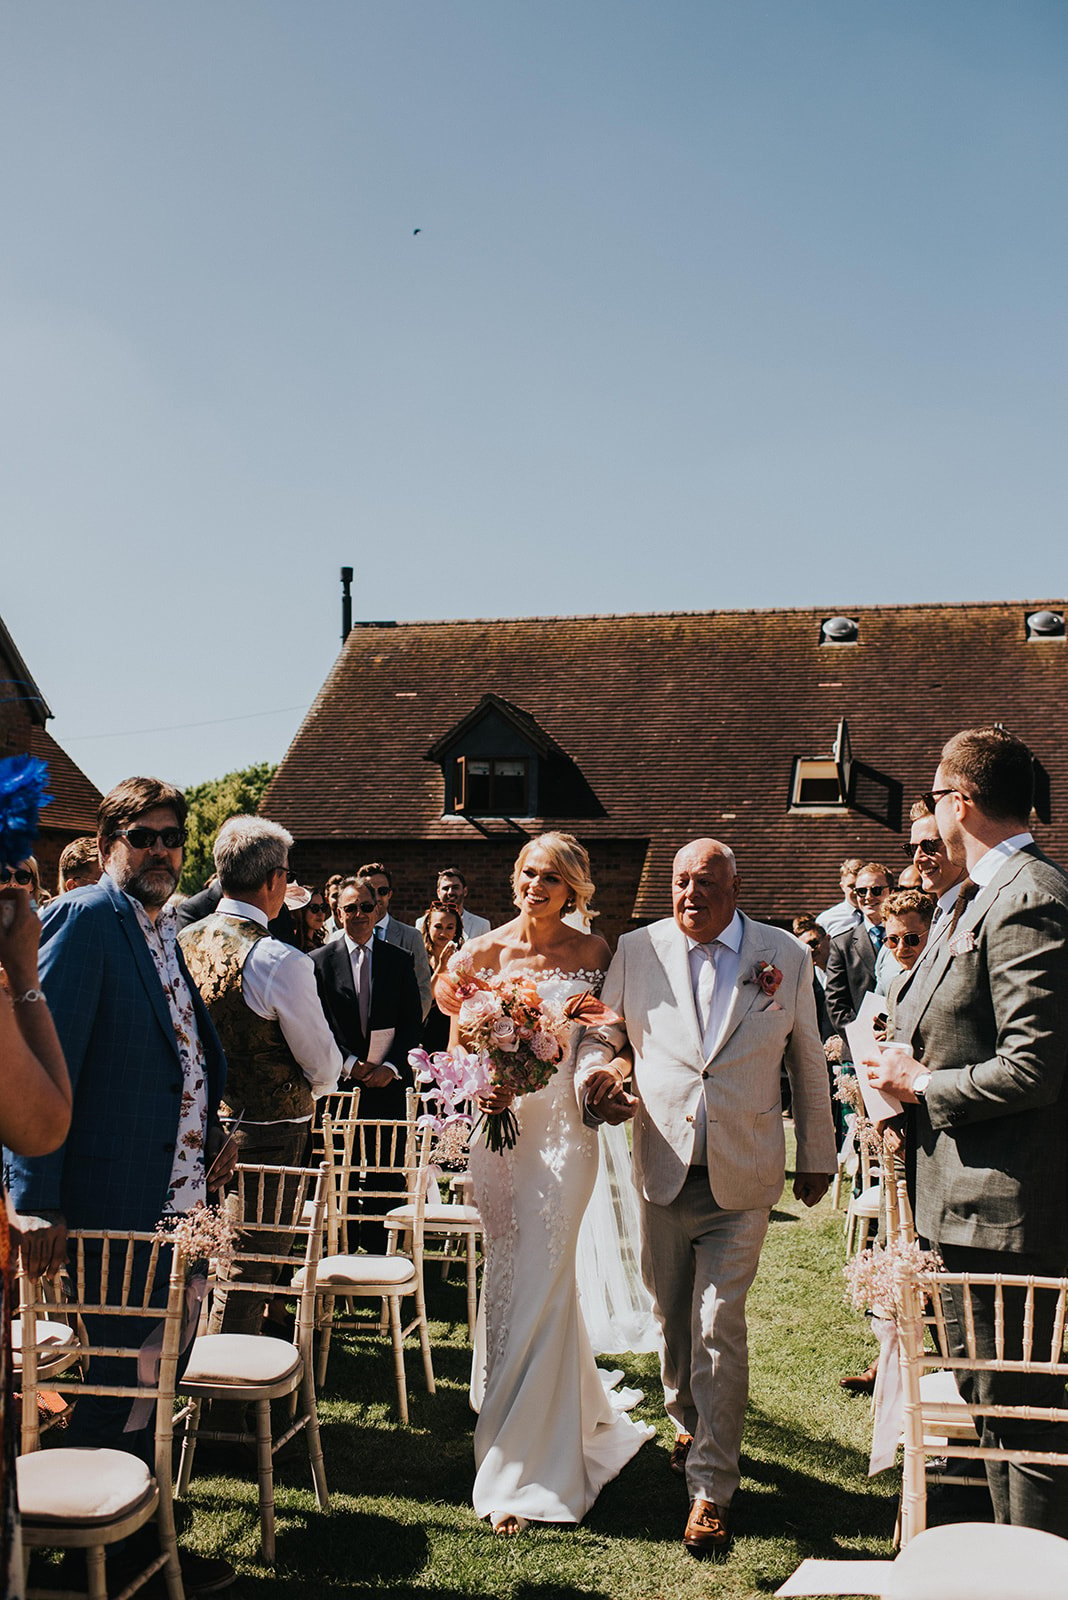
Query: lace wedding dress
[(548, 1437)]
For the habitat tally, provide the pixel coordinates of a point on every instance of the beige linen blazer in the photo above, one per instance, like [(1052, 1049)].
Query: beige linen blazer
[(648, 984)]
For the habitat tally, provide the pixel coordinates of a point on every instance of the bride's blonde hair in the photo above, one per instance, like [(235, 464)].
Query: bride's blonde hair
[(569, 859)]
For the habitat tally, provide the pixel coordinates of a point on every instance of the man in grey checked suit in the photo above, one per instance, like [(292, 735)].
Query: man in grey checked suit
[(982, 1056), (713, 1005)]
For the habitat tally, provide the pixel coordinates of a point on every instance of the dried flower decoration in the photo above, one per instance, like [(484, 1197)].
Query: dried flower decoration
[(875, 1278), (206, 1233)]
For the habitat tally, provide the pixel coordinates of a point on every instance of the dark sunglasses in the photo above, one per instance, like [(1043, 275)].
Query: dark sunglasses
[(145, 838), (929, 847), (932, 797), (316, 907), (17, 875), (875, 891), (911, 939), (382, 893), (364, 907)]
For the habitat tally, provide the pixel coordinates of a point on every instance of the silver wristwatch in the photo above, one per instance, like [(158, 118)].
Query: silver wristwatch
[(919, 1084)]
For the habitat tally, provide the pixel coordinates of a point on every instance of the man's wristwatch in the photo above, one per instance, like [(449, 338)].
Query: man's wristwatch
[(919, 1084)]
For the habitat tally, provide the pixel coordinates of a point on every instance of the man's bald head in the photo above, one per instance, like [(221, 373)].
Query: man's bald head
[(704, 888)]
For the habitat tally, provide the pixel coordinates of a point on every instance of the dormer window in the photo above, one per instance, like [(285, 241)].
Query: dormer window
[(1045, 625), (498, 762), (491, 786)]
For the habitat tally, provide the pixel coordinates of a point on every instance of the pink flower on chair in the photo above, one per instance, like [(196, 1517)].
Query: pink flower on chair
[(767, 977)]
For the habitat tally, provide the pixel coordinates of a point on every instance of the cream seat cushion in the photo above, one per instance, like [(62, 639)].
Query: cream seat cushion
[(436, 1216), (81, 1485), (240, 1358), (55, 1335), (362, 1272), (980, 1561)]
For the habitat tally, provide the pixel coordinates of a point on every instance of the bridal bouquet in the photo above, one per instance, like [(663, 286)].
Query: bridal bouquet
[(515, 1039)]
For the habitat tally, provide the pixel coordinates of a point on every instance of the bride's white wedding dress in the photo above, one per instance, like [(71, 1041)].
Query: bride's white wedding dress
[(548, 1438)]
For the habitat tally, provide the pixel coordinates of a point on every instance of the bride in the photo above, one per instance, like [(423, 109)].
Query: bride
[(548, 1438)]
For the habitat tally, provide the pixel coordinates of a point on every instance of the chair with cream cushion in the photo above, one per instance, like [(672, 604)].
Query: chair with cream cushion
[(83, 1498), (254, 1369), (367, 1159)]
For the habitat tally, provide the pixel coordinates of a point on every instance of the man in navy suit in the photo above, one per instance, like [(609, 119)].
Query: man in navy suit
[(145, 1063)]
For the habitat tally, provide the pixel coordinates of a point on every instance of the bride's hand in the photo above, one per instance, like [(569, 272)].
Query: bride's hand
[(499, 1100), (601, 1085)]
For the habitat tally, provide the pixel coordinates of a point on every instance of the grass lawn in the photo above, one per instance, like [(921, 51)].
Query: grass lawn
[(401, 1523)]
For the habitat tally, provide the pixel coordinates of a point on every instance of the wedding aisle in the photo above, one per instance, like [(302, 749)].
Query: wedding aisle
[(401, 1523)]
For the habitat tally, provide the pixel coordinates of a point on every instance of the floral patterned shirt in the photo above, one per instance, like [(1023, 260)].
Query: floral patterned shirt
[(187, 1187)]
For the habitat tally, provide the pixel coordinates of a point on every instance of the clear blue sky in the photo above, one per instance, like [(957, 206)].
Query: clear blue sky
[(713, 305)]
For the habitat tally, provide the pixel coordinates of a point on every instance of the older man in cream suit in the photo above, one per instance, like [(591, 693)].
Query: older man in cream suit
[(713, 1005)]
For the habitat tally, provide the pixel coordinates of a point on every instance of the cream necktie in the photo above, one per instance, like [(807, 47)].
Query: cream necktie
[(706, 989)]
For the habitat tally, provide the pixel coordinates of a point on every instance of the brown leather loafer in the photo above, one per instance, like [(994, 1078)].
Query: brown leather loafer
[(680, 1452), (706, 1533)]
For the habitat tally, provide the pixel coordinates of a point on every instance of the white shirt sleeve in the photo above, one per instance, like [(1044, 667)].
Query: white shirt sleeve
[(278, 982)]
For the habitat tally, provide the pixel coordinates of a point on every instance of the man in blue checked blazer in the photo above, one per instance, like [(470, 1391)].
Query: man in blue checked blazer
[(145, 1062)]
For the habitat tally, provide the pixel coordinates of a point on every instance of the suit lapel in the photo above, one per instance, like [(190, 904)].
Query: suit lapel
[(349, 1005), (672, 951), (146, 967), (745, 991)]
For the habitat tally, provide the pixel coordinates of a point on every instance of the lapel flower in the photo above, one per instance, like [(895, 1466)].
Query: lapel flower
[(767, 977)]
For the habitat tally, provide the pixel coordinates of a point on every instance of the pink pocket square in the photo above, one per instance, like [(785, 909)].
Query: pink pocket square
[(962, 944)]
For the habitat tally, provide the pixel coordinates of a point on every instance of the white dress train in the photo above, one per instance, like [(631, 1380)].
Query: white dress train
[(548, 1438)]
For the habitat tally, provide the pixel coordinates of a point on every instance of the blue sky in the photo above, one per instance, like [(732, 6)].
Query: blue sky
[(713, 305)]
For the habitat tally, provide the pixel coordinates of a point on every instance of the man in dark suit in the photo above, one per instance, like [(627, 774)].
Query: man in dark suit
[(853, 954), (400, 934), (983, 1031), (366, 986)]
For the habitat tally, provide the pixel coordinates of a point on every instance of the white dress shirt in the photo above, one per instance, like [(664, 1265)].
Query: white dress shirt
[(359, 953), (278, 983), (990, 864), (726, 955), (839, 917)]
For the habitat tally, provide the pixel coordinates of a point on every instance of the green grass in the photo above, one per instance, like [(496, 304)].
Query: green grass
[(401, 1523)]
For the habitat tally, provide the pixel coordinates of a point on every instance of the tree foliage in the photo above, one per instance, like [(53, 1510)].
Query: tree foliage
[(236, 795)]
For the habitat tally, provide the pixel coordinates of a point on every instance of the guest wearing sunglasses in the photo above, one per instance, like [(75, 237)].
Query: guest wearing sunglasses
[(310, 922), (24, 874), (851, 963), (907, 917), (146, 1071), (941, 873)]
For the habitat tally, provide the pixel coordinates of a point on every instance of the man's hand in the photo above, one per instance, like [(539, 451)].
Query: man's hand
[(42, 1242), (810, 1187), (377, 1076), (617, 1107), (221, 1156), (893, 1070)]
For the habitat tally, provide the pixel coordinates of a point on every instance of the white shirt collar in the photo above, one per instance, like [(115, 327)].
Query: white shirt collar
[(988, 865), (948, 898), (731, 936), (383, 924), (241, 908), (351, 945)]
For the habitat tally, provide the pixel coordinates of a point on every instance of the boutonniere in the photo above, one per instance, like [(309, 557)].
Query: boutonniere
[(767, 977)]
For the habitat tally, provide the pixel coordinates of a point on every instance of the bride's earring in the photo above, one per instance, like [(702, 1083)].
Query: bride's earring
[(569, 904)]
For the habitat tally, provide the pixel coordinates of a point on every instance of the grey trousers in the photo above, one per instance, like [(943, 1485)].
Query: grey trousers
[(698, 1262)]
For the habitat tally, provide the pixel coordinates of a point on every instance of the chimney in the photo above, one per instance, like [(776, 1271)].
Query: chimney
[(346, 603)]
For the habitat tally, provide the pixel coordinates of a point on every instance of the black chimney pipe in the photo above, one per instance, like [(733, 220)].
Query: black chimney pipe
[(346, 603)]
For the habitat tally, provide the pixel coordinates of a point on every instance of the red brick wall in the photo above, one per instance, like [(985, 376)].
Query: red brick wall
[(487, 866)]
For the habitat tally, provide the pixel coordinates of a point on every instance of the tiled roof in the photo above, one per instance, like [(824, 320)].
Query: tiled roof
[(74, 798), (683, 724)]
